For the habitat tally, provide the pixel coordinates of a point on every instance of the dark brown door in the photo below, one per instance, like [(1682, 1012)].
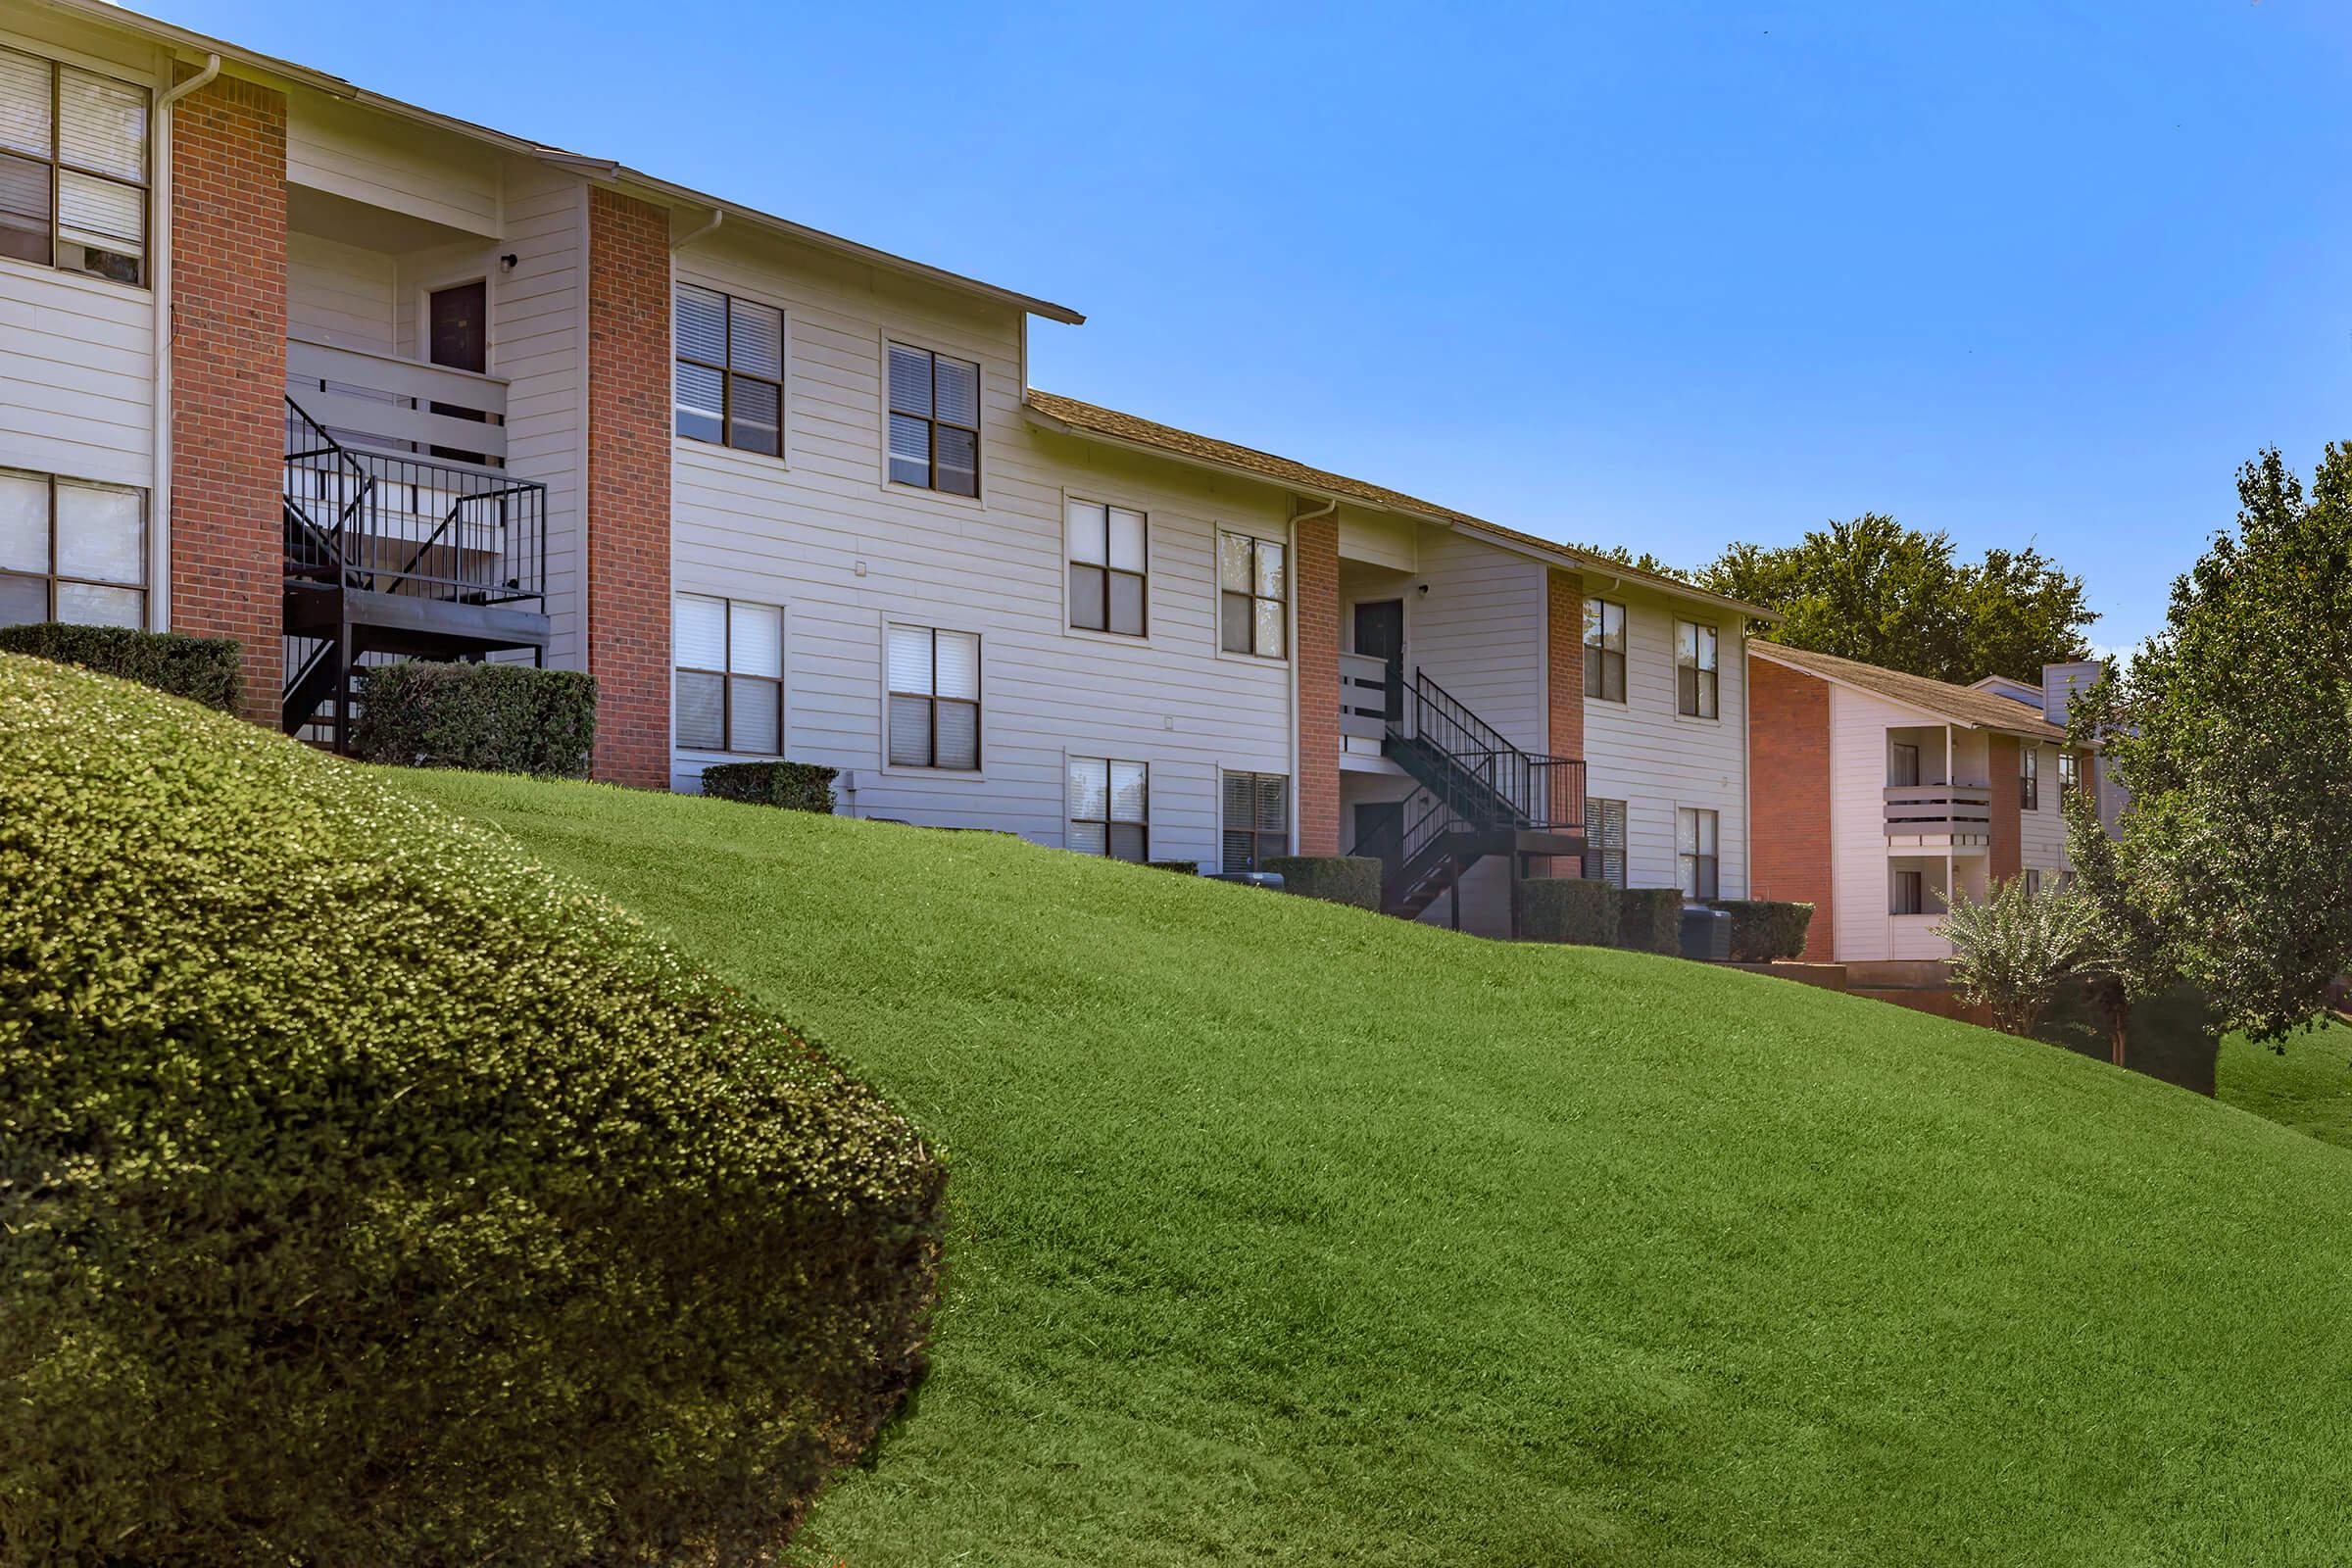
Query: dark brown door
[(1379, 828), (457, 332), (1380, 634)]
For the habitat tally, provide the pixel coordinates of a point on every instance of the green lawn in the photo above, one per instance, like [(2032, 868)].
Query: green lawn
[(2308, 1089), (1287, 1234)]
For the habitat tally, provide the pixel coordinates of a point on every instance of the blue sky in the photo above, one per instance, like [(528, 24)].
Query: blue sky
[(1658, 274)]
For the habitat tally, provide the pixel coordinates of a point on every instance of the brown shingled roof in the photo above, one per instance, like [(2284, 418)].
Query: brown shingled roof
[(1088, 419), (1962, 704)]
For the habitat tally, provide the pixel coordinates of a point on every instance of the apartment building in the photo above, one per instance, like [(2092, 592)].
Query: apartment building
[(1882, 797), (348, 379)]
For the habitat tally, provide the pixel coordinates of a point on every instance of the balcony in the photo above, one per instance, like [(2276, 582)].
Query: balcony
[(1954, 816)]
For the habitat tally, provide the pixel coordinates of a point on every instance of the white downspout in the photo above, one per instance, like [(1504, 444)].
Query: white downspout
[(159, 246)]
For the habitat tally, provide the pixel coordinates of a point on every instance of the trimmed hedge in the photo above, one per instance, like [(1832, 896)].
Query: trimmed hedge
[(203, 670), (375, 1196), (491, 718), (1650, 919), (1568, 908), (1766, 930), (793, 786), (1181, 867), (1353, 879)]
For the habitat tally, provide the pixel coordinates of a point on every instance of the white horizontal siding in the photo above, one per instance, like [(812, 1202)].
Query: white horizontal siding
[(340, 294), (1866, 930), (76, 376), (1642, 752), (2042, 834), (537, 311), (820, 534), (1479, 633), (402, 167)]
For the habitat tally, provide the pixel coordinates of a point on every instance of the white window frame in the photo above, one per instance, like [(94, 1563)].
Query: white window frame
[(1623, 653), (1706, 637), (1289, 812), (153, 191), (922, 621), (1290, 597), (1701, 816), (1597, 850), (885, 338), (1070, 762), (727, 678), (782, 455), (54, 579), (1077, 498)]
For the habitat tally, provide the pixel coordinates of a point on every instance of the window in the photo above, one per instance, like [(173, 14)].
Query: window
[(1604, 841), (2029, 777), (1256, 820), (2070, 774), (1694, 671), (73, 168), (934, 699), (934, 421), (2033, 884), (730, 383), (71, 551), (1909, 894), (1694, 853), (1605, 649), (1902, 766), (1108, 567), (730, 676), (1253, 596), (1110, 807)]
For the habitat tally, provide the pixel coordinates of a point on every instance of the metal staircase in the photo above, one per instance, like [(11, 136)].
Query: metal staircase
[(392, 554), (1479, 795)]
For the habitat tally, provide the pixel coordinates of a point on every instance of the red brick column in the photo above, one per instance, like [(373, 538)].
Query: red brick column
[(1789, 796), (1315, 593), (229, 375), (1564, 679), (2008, 836), (628, 487)]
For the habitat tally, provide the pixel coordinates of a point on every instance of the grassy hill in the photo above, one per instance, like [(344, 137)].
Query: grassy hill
[(2306, 1086), (1287, 1234)]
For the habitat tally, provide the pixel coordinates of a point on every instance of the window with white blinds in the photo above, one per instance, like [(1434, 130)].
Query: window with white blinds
[(71, 550), (1694, 669), (73, 168), (1255, 819), (1605, 649), (1696, 851), (1604, 841), (934, 421), (1108, 567), (729, 667), (730, 371), (934, 698), (1253, 596), (1110, 807)]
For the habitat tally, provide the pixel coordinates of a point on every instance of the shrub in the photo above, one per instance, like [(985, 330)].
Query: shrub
[(1650, 919), (369, 1194), (203, 670), (493, 719), (1181, 867), (794, 786), (1333, 878), (1766, 930), (2013, 951), (1568, 908)]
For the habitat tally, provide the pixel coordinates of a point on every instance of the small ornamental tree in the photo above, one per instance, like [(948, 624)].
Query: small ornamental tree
[(2011, 952), (2233, 729)]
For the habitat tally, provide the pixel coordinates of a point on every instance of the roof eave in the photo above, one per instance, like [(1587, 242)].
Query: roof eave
[(1768, 653), (617, 174)]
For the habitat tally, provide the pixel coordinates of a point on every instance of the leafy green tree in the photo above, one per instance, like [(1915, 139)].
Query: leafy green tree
[(1874, 590), (2012, 952), (2233, 729)]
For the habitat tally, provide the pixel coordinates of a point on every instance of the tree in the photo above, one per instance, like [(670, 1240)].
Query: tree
[(2233, 729), (2012, 952), (1874, 590)]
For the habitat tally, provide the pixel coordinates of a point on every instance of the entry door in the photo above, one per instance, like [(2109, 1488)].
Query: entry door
[(1378, 831), (1380, 634), (458, 335)]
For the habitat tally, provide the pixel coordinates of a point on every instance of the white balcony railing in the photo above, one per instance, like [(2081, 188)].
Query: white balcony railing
[(1364, 698), (397, 405)]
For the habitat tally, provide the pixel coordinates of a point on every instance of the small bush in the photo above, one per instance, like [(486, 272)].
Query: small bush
[(492, 718), (794, 786), (1181, 867), (1650, 919), (1568, 908), (203, 670), (2014, 951), (1353, 879), (1766, 930), (373, 1195)]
